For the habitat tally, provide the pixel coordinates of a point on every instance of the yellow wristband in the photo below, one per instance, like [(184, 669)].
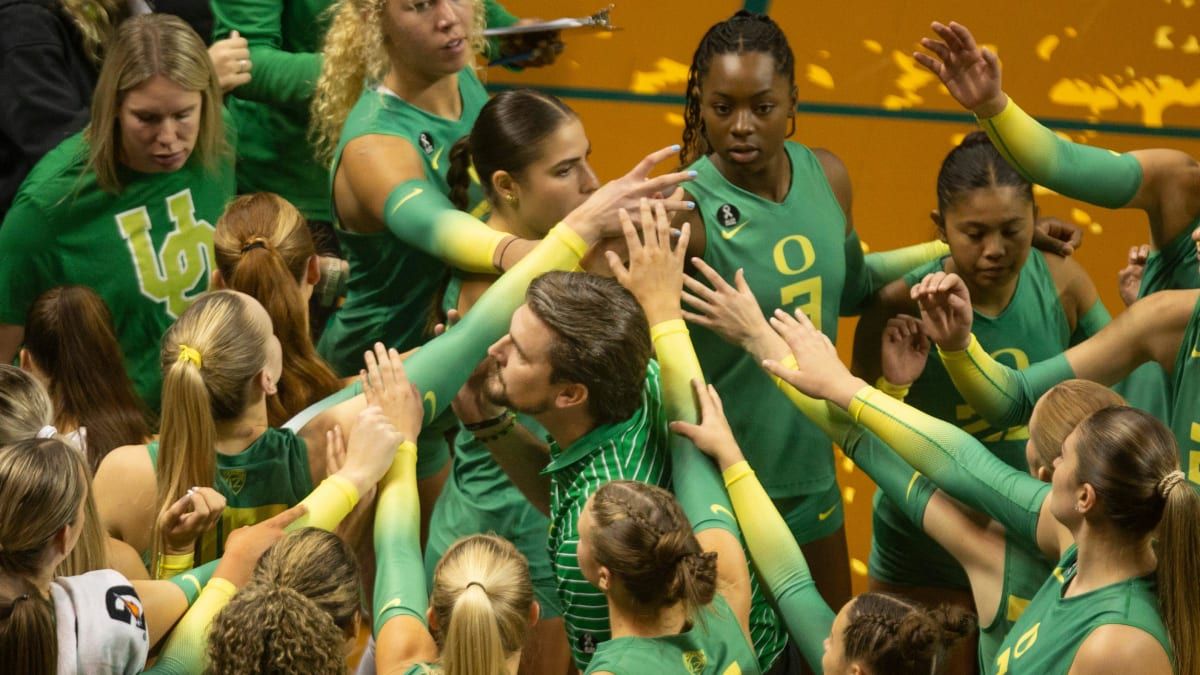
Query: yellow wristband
[(170, 565), (570, 238), (665, 328), (896, 391), (737, 472)]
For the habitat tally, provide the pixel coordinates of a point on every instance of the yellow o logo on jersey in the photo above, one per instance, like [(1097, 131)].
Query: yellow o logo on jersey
[(808, 255)]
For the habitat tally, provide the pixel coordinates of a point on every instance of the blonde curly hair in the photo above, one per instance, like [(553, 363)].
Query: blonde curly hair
[(355, 58), (97, 22)]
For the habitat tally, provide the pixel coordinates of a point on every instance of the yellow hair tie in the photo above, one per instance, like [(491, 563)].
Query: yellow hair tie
[(190, 355)]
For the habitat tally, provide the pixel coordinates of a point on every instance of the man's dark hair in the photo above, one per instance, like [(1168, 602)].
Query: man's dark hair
[(601, 339)]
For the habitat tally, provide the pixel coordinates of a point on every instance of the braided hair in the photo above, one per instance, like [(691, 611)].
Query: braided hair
[(892, 635), (744, 32)]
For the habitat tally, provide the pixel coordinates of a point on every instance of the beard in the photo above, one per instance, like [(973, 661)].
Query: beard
[(496, 392)]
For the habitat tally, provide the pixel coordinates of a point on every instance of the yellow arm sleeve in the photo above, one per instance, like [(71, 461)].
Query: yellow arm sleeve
[(328, 505), (1001, 395), (184, 652)]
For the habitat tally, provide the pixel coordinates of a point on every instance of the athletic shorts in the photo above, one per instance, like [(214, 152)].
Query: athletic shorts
[(815, 516), (510, 516)]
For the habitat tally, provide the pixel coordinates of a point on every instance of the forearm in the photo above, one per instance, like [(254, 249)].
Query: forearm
[(184, 652), (418, 214), (281, 78), (884, 267), (904, 486), (399, 579), (522, 456), (954, 460), (330, 502), (1090, 322), (780, 564), (836, 424), (1094, 175), (1001, 395)]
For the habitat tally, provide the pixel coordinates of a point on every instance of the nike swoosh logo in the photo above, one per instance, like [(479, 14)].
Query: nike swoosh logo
[(431, 399), (717, 508), (730, 234), (825, 516), (414, 193), (436, 155), (396, 602), (1195, 353)]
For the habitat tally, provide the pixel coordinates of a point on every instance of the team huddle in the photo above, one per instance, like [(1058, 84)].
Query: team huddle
[(332, 361)]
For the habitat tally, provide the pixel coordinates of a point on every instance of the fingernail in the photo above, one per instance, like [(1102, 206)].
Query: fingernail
[(693, 174), (690, 205), (675, 147)]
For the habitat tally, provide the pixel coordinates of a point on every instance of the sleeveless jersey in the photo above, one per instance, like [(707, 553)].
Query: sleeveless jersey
[(714, 645), (391, 288), (1185, 398), (1024, 572), (1052, 628), (267, 478), (793, 256), (1174, 266), (147, 251), (1033, 327)]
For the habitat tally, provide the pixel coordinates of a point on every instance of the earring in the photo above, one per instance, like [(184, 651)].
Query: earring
[(511, 199)]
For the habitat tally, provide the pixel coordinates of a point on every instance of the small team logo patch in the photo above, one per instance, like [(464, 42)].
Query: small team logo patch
[(695, 661), (586, 643), (426, 142), (728, 215), (235, 479)]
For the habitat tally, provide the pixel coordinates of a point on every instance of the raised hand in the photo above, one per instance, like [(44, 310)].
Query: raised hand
[(946, 314), (246, 545), (1129, 279), (819, 372), (1057, 236), (655, 272), (386, 386), (712, 436), (970, 73), (231, 59), (597, 217), (732, 312), (904, 351), (372, 447), (189, 518)]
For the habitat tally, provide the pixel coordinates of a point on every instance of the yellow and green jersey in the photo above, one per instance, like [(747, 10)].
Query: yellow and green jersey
[(1025, 569), (794, 255), (713, 645), (267, 478), (392, 284), (1031, 328), (147, 251), (1052, 628), (1185, 398)]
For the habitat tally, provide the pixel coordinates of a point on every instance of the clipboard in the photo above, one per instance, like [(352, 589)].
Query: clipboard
[(600, 21)]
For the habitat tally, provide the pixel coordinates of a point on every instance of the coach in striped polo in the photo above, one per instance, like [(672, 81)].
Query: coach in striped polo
[(577, 359)]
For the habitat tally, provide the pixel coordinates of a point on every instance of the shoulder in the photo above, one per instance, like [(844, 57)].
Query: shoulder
[(370, 150), (1119, 649), (124, 464), (838, 177), (56, 176)]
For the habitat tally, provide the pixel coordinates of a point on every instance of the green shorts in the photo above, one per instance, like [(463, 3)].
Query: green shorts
[(902, 554), (508, 515), (815, 516)]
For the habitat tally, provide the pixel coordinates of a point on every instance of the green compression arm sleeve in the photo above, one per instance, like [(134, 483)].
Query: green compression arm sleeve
[(193, 581), (421, 216), (1001, 395), (954, 461), (888, 266), (442, 366), (184, 652), (1091, 322), (780, 564), (1094, 175), (695, 479), (399, 570), (279, 77)]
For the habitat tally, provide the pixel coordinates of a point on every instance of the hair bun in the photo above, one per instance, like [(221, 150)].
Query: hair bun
[(977, 137)]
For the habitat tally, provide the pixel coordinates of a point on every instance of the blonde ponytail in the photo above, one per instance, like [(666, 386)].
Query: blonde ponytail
[(473, 643), (1178, 568)]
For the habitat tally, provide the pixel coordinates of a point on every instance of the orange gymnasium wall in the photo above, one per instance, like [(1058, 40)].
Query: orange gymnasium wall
[(1121, 74)]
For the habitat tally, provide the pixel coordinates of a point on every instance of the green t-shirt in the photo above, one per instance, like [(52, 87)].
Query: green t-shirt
[(633, 449), (715, 644), (147, 251), (267, 478), (793, 254), (1052, 628), (1025, 570), (392, 285), (1184, 398), (1033, 327)]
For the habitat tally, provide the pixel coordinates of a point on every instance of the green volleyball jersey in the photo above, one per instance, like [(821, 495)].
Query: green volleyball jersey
[(793, 256), (1033, 327), (391, 287), (1185, 398), (271, 110), (1066, 622), (1025, 570), (1174, 266), (147, 251), (633, 449), (714, 645), (267, 478)]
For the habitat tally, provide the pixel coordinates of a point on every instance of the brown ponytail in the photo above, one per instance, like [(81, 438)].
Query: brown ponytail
[(888, 634), (642, 536), (69, 334), (482, 598), (218, 332), (1131, 460), (28, 641), (458, 176), (263, 247)]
